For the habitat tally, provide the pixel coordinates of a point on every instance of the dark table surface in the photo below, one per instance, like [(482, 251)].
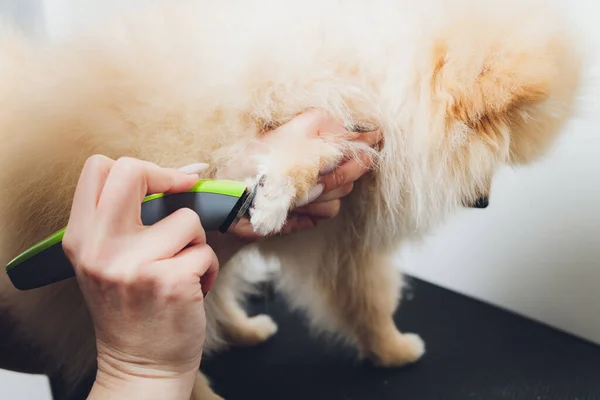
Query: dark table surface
[(474, 351)]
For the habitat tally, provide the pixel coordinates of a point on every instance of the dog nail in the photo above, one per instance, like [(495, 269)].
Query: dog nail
[(194, 168), (311, 196)]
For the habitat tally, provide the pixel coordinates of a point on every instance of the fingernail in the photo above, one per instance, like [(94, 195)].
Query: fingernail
[(312, 195), (194, 168)]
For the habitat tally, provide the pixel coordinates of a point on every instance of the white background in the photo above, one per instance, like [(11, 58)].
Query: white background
[(535, 250)]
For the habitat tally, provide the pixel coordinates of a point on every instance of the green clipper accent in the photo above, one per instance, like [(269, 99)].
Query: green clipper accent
[(45, 244), (223, 187), (219, 204)]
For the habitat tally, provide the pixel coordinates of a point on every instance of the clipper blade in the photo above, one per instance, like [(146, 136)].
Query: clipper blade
[(244, 206)]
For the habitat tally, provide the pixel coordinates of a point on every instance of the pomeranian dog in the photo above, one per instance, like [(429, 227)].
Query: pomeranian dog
[(458, 88)]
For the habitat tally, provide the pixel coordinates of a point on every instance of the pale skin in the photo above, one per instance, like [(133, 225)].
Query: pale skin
[(145, 285)]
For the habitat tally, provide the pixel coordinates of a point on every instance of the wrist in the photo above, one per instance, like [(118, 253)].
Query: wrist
[(143, 388), (127, 386), (118, 379)]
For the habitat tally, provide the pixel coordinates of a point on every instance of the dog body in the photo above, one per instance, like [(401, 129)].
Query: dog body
[(457, 87)]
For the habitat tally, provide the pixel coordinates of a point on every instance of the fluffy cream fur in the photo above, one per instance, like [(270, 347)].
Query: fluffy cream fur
[(457, 87)]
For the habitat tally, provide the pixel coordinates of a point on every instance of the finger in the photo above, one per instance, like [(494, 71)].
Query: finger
[(89, 186), (312, 122), (243, 230), (335, 194), (295, 222), (85, 200), (371, 138), (328, 209), (194, 168), (311, 195), (346, 173), (195, 267), (299, 222), (172, 234), (201, 261), (130, 180), (315, 122)]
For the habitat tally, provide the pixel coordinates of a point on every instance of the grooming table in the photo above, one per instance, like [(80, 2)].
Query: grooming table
[(474, 351)]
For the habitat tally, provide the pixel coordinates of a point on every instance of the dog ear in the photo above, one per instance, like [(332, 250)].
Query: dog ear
[(473, 88), (514, 95)]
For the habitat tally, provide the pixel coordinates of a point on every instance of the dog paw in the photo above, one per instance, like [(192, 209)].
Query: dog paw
[(272, 203), (264, 327), (398, 350), (255, 330)]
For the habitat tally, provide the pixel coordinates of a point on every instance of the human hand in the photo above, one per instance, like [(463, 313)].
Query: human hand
[(336, 181), (144, 285)]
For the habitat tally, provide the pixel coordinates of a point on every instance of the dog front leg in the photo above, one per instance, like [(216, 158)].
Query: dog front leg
[(239, 328), (363, 297), (288, 173)]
